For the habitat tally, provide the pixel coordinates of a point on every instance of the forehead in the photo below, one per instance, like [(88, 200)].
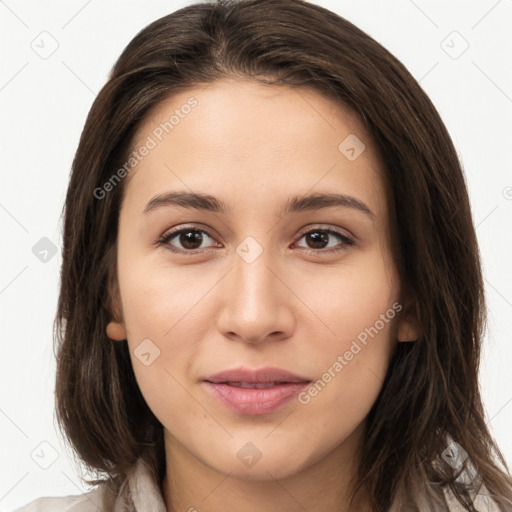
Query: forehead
[(242, 137)]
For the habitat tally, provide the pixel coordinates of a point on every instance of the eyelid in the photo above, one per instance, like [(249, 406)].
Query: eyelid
[(329, 228), (346, 238), (170, 233)]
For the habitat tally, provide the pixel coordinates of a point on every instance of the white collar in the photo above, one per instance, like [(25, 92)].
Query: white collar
[(140, 492)]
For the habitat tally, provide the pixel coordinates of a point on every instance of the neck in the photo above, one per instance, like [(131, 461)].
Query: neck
[(191, 485)]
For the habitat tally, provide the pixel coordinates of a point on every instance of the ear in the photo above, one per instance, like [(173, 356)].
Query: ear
[(115, 329), (408, 323)]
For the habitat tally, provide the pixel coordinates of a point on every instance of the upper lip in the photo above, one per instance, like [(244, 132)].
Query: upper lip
[(267, 374)]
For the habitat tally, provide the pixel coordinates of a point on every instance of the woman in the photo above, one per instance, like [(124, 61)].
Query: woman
[(271, 294)]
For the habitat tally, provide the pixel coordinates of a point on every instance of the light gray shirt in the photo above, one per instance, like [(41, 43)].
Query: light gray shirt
[(140, 493)]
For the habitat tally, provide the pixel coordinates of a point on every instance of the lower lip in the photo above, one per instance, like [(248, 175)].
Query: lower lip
[(254, 401)]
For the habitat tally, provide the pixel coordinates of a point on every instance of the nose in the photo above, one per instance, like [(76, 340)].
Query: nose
[(257, 305)]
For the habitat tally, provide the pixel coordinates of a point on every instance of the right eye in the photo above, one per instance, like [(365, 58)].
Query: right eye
[(190, 239)]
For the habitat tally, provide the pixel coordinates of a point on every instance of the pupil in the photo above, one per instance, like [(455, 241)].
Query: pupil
[(189, 238), (316, 238)]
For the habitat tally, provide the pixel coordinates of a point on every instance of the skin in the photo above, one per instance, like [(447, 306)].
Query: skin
[(295, 307)]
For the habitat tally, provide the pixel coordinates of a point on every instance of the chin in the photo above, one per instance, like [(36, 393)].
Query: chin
[(250, 463), (261, 472)]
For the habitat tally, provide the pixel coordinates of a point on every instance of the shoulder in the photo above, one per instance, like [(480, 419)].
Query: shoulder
[(138, 492), (482, 501), (86, 502)]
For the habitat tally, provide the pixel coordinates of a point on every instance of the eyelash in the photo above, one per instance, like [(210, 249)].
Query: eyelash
[(347, 241)]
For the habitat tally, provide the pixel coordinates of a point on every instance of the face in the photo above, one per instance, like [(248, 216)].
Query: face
[(257, 276)]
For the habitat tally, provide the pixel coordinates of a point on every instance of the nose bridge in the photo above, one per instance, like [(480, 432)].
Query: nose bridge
[(254, 282)]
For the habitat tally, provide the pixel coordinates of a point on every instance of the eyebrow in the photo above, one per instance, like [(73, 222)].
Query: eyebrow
[(210, 203)]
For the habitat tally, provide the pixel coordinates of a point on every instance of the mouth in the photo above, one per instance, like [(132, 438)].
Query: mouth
[(252, 385), (266, 375), (255, 392)]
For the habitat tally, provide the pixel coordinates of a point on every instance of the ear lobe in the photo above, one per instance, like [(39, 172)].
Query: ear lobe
[(116, 331), (115, 328), (408, 324)]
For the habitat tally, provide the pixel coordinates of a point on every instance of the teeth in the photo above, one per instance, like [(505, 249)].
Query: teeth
[(252, 385)]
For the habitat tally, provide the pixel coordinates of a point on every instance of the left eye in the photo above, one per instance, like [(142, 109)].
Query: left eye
[(319, 238)]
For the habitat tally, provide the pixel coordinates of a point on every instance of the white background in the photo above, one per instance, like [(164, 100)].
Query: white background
[(44, 103)]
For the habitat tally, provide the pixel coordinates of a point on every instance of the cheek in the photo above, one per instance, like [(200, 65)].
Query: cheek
[(158, 300), (358, 308), (348, 298), (162, 310)]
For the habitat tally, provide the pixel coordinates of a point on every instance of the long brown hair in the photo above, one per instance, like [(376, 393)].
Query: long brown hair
[(431, 390)]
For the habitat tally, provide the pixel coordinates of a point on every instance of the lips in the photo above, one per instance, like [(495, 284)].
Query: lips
[(252, 385), (254, 392), (260, 376)]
